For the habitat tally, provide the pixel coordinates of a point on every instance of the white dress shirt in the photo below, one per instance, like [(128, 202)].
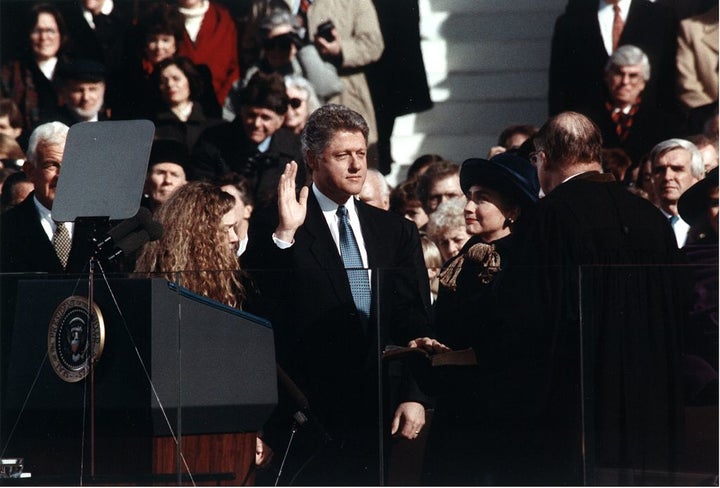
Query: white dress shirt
[(329, 210), (48, 224), (606, 14)]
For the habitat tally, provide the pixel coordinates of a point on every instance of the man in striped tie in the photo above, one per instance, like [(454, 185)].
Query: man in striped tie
[(348, 279), (30, 240)]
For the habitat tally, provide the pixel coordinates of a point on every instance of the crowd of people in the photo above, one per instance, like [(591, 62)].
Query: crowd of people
[(577, 259)]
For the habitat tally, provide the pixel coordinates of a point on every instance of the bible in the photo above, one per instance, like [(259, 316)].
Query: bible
[(462, 357)]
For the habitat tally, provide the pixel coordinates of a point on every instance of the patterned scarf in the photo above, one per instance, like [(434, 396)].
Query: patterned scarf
[(484, 254), (623, 121)]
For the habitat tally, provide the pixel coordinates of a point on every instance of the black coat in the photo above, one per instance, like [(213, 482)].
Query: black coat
[(169, 126), (650, 126), (464, 435), (586, 370), (225, 147)]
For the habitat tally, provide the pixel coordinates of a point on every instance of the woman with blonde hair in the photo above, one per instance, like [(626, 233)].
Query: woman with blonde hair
[(198, 242)]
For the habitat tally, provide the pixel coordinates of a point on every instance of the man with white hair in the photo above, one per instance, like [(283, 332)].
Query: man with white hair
[(676, 166), (625, 120), (30, 240), (375, 190)]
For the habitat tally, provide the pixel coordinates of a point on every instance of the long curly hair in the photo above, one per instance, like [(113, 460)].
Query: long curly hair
[(194, 244)]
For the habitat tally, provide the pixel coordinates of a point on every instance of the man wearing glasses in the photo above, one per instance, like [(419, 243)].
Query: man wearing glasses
[(625, 119), (255, 144)]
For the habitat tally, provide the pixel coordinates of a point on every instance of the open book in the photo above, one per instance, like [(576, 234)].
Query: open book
[(462, 357)]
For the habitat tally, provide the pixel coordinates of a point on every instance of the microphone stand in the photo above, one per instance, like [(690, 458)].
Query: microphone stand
[(91, 363), (94, 223)]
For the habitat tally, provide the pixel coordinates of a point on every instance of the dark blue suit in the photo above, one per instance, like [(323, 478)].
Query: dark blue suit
[(324, 344)]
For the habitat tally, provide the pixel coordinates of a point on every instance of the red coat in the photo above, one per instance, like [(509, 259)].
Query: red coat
[(216, 47)]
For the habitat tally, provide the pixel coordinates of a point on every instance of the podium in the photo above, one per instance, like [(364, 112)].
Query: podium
[(174, 363)]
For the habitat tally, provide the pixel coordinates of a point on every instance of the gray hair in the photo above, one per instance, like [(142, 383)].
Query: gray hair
[(325, 122), (697, 167), (450, 214), (629, 55), (380, 180), (277, 17), (52, 133), (301, 83)]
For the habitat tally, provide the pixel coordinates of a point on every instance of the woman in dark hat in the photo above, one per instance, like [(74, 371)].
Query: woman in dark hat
[(498, 192), (698, 206)]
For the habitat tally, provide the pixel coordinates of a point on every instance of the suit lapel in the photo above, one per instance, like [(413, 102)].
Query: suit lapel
[(321, 247), (38, 241)]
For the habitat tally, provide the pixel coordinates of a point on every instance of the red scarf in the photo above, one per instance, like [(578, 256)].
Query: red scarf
[(623, 121)]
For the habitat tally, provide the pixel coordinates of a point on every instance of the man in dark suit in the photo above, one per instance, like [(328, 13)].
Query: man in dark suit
[(585, 369), (99, 31), (255, 144), (626, 120), (330, 320), (582, 42), (27, 232)]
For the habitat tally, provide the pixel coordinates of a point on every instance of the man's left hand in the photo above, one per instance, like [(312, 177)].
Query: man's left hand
[(409, 420)]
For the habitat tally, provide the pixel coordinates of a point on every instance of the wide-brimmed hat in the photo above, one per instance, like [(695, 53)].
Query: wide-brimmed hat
[(694, 202), (507, 173)]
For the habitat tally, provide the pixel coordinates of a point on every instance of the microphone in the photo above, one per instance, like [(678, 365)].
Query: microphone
[(141, 220), (303, 414), (150, 230)]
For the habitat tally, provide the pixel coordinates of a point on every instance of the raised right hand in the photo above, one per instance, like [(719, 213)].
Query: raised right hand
[(291, 209)]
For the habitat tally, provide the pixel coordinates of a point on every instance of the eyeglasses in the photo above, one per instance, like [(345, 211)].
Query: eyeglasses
[(295, 102), (620, 73), (278, 42), (39, 32)]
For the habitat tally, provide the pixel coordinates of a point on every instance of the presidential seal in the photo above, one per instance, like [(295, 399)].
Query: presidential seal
[(71, 336)]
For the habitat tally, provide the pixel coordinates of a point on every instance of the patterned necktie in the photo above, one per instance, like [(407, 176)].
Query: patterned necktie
[(350, 252), (62, 243), (617, 27)]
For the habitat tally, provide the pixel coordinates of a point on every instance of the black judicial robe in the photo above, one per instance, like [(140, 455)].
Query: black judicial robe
[(586, 372)]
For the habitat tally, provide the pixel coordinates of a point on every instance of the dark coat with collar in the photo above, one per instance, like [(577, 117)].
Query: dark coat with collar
[(586, 368), (225, 147), (328, 349), (25, 247), (578, 55), (169, 126), (650, 126)]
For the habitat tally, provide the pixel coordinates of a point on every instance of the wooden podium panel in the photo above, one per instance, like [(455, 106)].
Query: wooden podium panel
[(208, 455)]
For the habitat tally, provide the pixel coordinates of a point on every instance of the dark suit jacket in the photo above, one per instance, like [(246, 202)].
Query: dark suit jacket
[(322, 341), (106, 43), (578, 56), (650, 126), (67, 117), (225, 147), (169, 126), (24, 246)]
